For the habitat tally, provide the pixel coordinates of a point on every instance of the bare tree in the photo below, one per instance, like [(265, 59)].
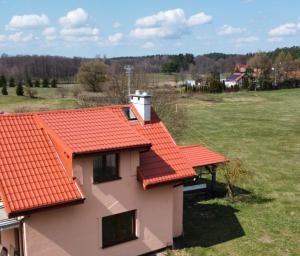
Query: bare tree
[(92, 74)]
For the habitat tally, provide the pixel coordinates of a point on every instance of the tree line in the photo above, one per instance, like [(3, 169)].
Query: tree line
[(64, 69), (28, 84)]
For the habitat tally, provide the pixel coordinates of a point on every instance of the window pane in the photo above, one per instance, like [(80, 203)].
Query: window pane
[(105, 167), (98, 168), (111, 164), (118, 228)]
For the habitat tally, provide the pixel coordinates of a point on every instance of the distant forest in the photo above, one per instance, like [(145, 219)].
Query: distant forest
[(22, 67)]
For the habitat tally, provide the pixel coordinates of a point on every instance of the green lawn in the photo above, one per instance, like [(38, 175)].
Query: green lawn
[(262, 129)]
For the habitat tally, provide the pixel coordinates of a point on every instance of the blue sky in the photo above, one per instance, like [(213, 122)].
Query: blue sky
[(143, 27)]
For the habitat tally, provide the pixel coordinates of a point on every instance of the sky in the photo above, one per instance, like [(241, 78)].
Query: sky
[(145, 27)]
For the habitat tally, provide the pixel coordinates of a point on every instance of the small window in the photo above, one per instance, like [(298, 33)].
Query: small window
[(118, 228), (129, 114), (106, 168)]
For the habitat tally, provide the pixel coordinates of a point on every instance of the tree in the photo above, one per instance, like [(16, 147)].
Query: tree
[(261, 65), (29, 82), (53, 83), (11, 82), (2, 81), (45, 83), (4, 89), (232, 171), (19, 89), (92, 74), (283, 65), (37, 83)]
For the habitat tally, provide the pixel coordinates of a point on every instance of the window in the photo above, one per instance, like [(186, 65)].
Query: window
[(106, 168), (118, 228), (129, 114)]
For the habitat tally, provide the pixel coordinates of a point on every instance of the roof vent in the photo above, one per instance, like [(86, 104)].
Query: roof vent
[(142, 102)]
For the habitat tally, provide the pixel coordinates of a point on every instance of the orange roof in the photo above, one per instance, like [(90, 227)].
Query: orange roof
[(31, 173), (198, 155), (33, 176), (92, 130), (164, 162)]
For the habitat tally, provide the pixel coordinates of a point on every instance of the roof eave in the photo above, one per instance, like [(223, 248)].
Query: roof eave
[(27, 212)]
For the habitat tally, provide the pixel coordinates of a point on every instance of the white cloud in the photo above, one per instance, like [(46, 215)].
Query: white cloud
[(168, 24), (229, 30), (249, 39), (3, 38), (49, 33), (199, 19), (27, 21), (284, 30), (75, 27), (162, 32), (275, 39), (74, 18), (148, 45), (20, 37), (116, 25), (162, 18), (81, 31), (115, 38)]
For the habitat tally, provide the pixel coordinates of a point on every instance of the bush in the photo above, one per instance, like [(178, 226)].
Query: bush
[(53, 83), (30, 92), (11, 82), (37, 83), (19, 89), (76, 91), (45, 83), (62, 91), (4, 89)]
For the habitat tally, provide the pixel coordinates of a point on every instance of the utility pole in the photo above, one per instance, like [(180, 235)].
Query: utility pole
[(128, 70)]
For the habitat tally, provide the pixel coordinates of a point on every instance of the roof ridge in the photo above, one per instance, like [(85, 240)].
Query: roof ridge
[(54, 111)]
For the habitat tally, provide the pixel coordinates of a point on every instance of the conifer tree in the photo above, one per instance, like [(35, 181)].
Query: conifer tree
[(4, 89), (19, 89)]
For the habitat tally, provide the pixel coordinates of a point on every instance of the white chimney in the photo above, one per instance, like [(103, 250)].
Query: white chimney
[(142, 102)]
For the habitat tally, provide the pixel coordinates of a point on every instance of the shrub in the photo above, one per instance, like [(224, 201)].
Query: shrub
[(11, 82), (30, 92), (45, 83), (62, 91), (19, 89), (53, 83), (4, 89), (37, 83), (76, 91)]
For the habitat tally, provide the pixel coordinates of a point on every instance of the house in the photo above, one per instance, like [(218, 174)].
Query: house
[(242, 68), (190, 83), (235, 79), (96, 181)]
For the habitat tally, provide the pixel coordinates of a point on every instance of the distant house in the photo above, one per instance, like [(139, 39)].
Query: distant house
[(95, 181), (235, 79), (190, 83), (242, 68)]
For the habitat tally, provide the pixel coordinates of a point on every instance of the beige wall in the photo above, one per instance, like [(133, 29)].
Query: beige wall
[(8, 238), (76, 230), (178, 211)]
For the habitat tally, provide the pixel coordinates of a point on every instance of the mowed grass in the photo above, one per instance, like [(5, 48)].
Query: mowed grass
[(263, 130), (260, 128)]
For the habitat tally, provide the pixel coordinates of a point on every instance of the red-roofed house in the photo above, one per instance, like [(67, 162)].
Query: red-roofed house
[(97, 181)]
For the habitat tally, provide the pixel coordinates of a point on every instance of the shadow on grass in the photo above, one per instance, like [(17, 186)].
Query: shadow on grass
[(206, 225)]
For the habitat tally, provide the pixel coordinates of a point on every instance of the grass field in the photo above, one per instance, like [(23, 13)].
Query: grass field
[(263, 130)]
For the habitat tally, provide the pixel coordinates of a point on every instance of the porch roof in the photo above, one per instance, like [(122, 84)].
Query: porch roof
[(5, 222), (198, 155)]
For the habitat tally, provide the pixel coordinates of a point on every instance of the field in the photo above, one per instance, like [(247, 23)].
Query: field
[(260, 128), (263, 130)]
